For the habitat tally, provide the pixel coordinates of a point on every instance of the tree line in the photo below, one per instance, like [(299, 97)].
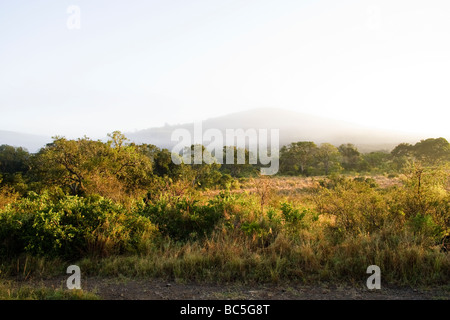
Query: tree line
[(119, 168), (307, 159)]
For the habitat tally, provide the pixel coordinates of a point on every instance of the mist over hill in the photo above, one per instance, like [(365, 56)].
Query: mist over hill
[(31, 142), (293, 126)]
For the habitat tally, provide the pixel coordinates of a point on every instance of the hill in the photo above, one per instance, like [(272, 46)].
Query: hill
[(28, 141), (293, 127)]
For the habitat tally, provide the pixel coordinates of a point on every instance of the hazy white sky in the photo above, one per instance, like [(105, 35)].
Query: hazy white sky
[(140, 63)]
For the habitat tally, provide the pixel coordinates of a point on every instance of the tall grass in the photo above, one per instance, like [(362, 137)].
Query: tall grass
[(224, 258), (331, 231), (10, 291)]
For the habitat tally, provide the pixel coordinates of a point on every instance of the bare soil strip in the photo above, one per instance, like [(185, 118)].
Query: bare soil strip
[(141, 289)]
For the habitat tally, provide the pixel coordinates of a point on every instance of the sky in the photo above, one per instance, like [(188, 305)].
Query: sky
[(89, 67)]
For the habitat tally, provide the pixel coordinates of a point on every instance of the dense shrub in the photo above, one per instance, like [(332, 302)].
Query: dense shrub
[(425, 201), (420, 206), (71, 227), (181, 218), (355, 206)]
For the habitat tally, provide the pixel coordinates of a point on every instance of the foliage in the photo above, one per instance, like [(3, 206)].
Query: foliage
[(71, 227), (113, 169), (242, 166), (355, 205), (13, 160), (430, 152), (329, 159), (351, 157), (28, 292), (375, 162), (297, 157), (182, 218), (115, 200)]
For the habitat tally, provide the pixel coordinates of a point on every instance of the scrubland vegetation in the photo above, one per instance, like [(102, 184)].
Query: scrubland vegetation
[(120, 209)]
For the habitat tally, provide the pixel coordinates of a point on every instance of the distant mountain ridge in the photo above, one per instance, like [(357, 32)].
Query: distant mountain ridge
[(31, 142), (293, 126)]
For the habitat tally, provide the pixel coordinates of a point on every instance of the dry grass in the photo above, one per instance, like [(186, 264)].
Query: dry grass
[(10, 290), (309, 252), (296, 185)]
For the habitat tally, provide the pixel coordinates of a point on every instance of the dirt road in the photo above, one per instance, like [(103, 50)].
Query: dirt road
[(131, 289)]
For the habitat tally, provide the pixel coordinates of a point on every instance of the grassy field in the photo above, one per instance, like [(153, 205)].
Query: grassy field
[(269, 230)]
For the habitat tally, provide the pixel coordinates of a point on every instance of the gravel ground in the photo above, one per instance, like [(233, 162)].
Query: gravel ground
[(141, 289)]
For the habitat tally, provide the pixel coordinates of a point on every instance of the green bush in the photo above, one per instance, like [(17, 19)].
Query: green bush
[(183, 219), (424, 200), (424, 225), (356, 207), (71, 227), (263, 231), (291, 214)]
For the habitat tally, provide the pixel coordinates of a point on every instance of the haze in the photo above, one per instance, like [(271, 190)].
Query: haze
[(139, 64)]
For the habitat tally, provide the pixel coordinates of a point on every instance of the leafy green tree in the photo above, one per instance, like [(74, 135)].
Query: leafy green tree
[(297, 157), (66, 162), (376, 161), (164, 165), (14, 167), (328, 158), (234, 169), (401, 155), (432, 151), (86, 166), (127, 164), (402, 150), (351, 157), (149, 150), (13, 160), (205, 174)]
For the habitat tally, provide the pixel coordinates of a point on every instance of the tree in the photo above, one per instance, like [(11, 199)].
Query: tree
[(402, 150), (85, 166), (126, 163), (401, 154), (350, 156), (376, 160), (66, 162), (149, 150), (429, 152), (236, 169), (204, 174), (432, 151), (297, 157), (13, 160), (328, 157)]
